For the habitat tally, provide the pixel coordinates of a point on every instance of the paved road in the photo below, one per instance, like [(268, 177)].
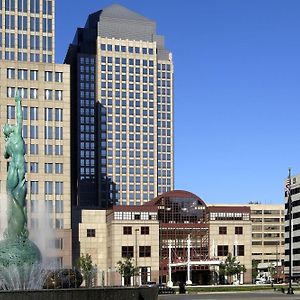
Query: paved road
[(232, 296)]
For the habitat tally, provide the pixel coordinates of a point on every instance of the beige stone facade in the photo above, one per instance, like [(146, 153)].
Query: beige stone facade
[(267, 232), (45, 93), (109, 236), (230, 232)]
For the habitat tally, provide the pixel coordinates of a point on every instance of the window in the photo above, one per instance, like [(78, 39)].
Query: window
[(49, 206), (22, 74), (127, 251), (48, 132), (91, 232), (222, 250), (48, 187), (48, 94), (127, 230), (33, 131), (58, 95), (58, 133), (10, 73), (137, 216), (58, 114), (34, 148), (34, 167), (48, 168), (33, 93), (48, 75), (59, 223), (145, 230), (238, 230), (56, 243), (48, 114), (58, 168), (58, 188), (34, 75), (10, 112), (34, 187), (58, 76), (145, 251), (58, 149), (48, 149), (240, 250), (222, 230), (33, 113), (59, 206)]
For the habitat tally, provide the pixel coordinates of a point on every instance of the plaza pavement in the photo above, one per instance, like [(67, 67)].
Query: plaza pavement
[(255, 295)]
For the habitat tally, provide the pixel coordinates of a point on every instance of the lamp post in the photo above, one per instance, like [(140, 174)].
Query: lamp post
[(136, 254), (290, 216)]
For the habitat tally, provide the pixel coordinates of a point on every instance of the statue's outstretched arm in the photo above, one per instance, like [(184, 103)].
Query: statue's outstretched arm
[(19, 115)]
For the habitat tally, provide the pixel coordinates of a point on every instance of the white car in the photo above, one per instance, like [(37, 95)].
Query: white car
[(260, 281)]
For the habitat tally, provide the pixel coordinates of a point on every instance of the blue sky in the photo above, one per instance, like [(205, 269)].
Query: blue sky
[(237, 90)]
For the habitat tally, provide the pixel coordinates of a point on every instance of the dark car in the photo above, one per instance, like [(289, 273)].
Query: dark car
[(164, 289)]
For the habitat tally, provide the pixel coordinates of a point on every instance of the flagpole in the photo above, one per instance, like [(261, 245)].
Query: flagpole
[(290, 289)]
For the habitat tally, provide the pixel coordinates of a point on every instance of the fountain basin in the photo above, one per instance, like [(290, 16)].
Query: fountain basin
[(120, 293)]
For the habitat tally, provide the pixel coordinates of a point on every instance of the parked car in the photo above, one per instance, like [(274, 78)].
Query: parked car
[(260, 281), (150, 283), (164, 289)]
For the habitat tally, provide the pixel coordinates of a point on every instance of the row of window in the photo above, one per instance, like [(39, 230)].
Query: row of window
[(237, 230), (10, 23), (22, 74), (33, 93), (130, 49), (23, 56), (58, 224), (48, 186), (48, 149), (131, 71), (49, 132), (121, 81), (131, 95), (270, 220), (124, 61), (238, 250), (33, 111), (32, 6), (34, 41), (128, 251), (38, 206), (48, 167), (229, 216), (127, 230), (134, 216), (266, 212)]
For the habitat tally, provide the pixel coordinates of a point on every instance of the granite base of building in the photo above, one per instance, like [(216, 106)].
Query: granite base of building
[(120, 293)]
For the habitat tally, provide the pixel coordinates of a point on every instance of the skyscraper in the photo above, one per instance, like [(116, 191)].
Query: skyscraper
[(27, 30), (122, 110), (26, 65)]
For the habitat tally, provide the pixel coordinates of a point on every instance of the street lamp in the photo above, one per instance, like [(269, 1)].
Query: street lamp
[(136, 254), (290, 216)]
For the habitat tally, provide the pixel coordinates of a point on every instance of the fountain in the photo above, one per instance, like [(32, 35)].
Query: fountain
[(19, 257)]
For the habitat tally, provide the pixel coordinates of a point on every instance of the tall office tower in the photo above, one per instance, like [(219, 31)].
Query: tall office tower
[(27, 30), (295, 233), (122, 110), (45, 93)]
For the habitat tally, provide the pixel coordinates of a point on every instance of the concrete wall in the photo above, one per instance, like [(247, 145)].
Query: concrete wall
[(140, 293)]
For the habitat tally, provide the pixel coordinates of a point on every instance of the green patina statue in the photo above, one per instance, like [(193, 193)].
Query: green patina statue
[(16, 249), (15, 184)]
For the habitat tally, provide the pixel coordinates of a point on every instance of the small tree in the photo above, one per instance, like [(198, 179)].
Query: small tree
[(127, 269), (87, 268), (231, 267)]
